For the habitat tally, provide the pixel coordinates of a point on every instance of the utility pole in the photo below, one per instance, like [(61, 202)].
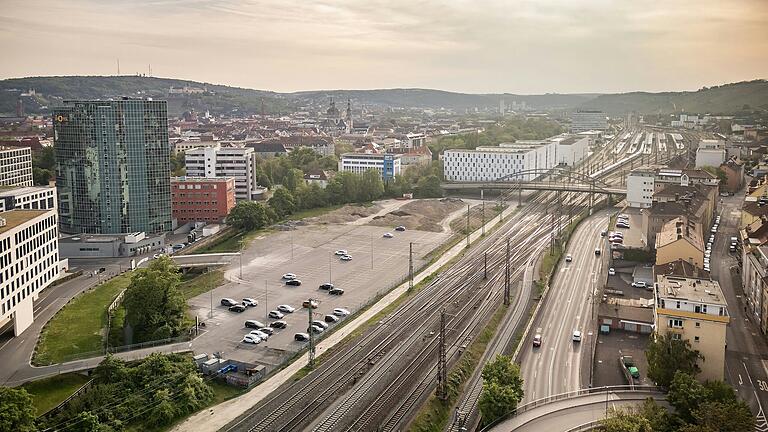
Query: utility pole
[(467, 225), (483, 211), (266, 302), (241, 258), (311, 337), (371, 251), (442, 388), (485, 265), (410, 266), (210, 315), (506, 278), (330, 272)]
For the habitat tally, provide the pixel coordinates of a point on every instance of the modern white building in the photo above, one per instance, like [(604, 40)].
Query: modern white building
[(640, 188), (16, 166), (28, 198), (29, 262), (571, 149), (587, 120), (236, 162), (388, 164), (710, 153)]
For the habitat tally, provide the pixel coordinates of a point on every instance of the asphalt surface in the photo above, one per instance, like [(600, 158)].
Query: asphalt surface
[(560, 364), (746, 356)]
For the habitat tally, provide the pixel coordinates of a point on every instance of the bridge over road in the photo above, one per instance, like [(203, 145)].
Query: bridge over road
[(574, 410), (535, 185)]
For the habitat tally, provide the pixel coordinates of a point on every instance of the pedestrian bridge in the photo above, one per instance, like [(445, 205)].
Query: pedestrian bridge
[(556, 179), (579, 410), (204, 260)]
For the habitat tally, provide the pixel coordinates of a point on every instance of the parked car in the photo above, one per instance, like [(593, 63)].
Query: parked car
[(340, 312), (228, 302), (537, 340), (254, 324), (622, 225), (603, 233), (251, 339), (275, 314), (326, 286), (260, 334), (315, 329), (237, 308), (309, 303), (640, 284), (568, 258), (341, 252), (267, 330), (400, 228), (331, 319), (293, 282), (576, 336), (320, 324), (278, 324), (346, 257), (289, 276), (286, 308), (301, 337), (336, 291), (388, 235), (597, 251), (611, 271), (250, 302)]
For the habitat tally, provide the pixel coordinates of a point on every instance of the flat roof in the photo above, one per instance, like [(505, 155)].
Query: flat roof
[(701, 290), (23, 190), (15, 218), (201, 179)]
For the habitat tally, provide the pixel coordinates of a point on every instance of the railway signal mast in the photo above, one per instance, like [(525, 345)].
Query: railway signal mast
[(442, 384)]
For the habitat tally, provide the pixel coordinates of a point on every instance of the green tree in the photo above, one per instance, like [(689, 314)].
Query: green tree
[(154, 305), (41, 176), (178, 164), (428, 187), (667, 355), (733, 416), (625, 421), (502, 388), (282, 202), (660, 418), (17, 413), (686, 394), (248, 216), (293, 178), (45, 158), (111, 369), (371, 186)]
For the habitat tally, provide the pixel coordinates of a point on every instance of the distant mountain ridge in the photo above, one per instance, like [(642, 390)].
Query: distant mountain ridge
[(51, 91)]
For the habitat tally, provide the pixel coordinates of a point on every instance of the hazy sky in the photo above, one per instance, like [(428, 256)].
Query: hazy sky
[(516, 46)]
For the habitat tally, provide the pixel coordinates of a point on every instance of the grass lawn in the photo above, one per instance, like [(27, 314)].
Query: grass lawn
[(77, 328), (49, 392), (201, 283)]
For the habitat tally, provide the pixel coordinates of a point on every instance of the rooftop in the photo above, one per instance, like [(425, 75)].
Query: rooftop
[(680, 268), (681, 288), (200, 179), (677, 229), (15, 218)]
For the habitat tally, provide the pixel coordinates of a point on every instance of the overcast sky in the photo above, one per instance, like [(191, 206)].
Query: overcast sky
[(477, 46)]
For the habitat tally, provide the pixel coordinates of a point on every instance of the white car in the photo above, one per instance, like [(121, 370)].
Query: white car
[(341, 312), (576, 336), (346, 257), (640, 284), (611, 272), (260, 334), (250, 302), (252, 339), (341, 252), (286, 308), (388, 235), (568, 258), (289, 276), (275, 314)]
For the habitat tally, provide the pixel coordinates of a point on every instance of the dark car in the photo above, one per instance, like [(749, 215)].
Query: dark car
[(400, 228), (278, 324), (326, 286), (237, 308), (294, 282), (228, 302), (336, 291), (331, 319), (254, 324), (301, 337)]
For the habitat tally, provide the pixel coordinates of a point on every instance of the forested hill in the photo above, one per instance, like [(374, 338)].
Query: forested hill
[(724, 99), (51, 91)]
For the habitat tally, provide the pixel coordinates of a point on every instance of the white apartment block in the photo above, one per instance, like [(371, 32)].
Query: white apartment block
[(29, 262), (587, 120), (28, 198), (16, 166), (236, 162), (387, 164), (710, 153), (640, 188)]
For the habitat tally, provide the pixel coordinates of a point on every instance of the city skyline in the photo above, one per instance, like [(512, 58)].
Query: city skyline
[(518, 47)]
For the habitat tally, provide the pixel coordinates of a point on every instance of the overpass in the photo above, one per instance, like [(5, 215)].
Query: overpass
[(576, 410), (204, 260), (555, 179)]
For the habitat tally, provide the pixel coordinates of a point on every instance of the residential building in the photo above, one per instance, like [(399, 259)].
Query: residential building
[(112, 166), (694, 310), (16, 166), (235, 162), (695, 207), (318, 177), (587, 120), (640, 187), (710, 153), (28, 198), (200, 199), (755, 283), (680, 240), (734, 175), (29, 262), (414, 156), (268, 149), (387, 164)]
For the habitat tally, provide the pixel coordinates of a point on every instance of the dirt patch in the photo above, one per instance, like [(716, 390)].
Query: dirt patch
[(423, 215), (346, 214)]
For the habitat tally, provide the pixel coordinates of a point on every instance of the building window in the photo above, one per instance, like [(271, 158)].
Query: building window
[(698, 324), (676, 323), (676, 336), (695, 338)]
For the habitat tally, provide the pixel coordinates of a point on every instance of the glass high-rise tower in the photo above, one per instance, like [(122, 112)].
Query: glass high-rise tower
[(113, 166)]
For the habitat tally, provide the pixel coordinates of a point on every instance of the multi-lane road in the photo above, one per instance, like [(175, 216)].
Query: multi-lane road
[(558, 365)]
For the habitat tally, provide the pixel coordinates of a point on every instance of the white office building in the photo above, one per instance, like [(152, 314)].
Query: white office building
[(29, 262), (15, 166), (587, 120), (710, 153), (387, 164), (571, 149), (640, 188), (236, 162), (28, 198)]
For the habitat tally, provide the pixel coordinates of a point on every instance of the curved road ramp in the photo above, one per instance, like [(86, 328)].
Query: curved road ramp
[(574, 411)]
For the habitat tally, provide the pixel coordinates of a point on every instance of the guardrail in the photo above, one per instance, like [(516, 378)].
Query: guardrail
[(571, 395), (586, 426)]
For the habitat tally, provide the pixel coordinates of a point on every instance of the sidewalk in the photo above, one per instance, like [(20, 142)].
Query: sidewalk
[(214, 418)]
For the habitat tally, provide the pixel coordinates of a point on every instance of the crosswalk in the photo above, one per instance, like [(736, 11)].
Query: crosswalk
[(761, 425)]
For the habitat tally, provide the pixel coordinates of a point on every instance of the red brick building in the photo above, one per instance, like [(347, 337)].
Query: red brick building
[(199, 199)]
